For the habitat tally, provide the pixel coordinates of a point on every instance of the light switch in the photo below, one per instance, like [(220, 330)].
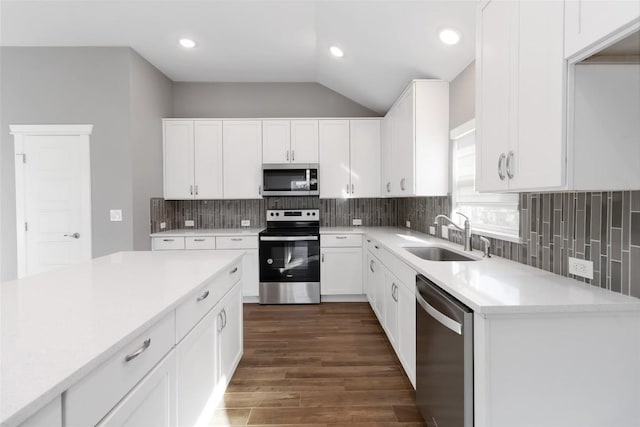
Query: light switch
[(115, 215)]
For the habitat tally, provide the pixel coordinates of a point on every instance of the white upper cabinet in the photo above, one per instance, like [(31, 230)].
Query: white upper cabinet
[(276, 141), (589, 22), (520, 138), (334, 159), (365, 158), (242, 153), (290, 141), (304, 141), (416, 141), (178, 159), (208, 159)]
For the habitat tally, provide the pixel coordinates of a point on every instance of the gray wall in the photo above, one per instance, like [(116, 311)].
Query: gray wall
[(462, 97), (151, 100), (71, 86), (262, 100)]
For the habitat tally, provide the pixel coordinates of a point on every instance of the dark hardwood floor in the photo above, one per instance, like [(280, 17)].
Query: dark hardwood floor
[(317, 365)]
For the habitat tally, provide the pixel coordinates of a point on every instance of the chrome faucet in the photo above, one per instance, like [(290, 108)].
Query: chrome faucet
[(466, 230)]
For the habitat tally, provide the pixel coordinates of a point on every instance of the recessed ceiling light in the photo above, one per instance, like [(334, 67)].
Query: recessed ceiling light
[(449, 36), (336, 51), (188, 43)]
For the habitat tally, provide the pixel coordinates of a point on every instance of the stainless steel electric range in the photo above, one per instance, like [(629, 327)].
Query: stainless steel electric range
[(290, 257)]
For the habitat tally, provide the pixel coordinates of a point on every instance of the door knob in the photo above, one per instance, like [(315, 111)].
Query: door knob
[(74, 235)]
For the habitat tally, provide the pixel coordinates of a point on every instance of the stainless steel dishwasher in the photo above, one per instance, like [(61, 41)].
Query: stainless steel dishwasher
[(444, 357)]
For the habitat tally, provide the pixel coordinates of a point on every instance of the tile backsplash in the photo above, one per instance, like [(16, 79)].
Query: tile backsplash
[(603, 227)]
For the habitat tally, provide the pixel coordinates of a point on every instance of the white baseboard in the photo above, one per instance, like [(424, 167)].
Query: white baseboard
[(343, 298)]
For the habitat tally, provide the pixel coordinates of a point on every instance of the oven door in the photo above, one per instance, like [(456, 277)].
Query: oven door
[(290, 259), (287, 180)]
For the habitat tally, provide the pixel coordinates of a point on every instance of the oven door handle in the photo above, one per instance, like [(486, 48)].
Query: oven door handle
[(288, 238)]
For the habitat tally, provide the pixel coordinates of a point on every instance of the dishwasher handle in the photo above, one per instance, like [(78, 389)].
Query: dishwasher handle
[(441, 318)]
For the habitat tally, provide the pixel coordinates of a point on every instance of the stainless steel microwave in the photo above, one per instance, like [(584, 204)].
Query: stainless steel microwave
[(290, 180)]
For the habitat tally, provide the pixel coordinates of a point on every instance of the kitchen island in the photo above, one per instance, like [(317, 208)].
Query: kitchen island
[(114, 319)]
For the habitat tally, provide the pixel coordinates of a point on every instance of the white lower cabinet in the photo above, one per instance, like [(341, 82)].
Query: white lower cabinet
[(197, 370), (369, 282), (379, 281), (406, 347), (341, 271), (229, 329), (151, 403), (391, 309)]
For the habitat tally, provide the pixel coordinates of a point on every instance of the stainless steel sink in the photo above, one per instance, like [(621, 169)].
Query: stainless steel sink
[(435, 253)]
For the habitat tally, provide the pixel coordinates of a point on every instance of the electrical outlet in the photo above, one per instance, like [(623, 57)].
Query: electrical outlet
[(163, 225), (581, 267), (115, 215), (189, 223), (445, 232), (407, 224), (432, 230), (357, 222), (245, 223)]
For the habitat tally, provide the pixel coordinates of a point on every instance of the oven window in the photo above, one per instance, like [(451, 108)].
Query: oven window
[(289, 261), (285, 180)]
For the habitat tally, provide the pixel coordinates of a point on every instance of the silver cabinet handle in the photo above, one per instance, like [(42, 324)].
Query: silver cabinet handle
[(287, 155), (347, 188), (74, 235), (353, 189), (371, 266), (203, 296), (341, 237), (368, 241), (441, 318), (402, 182), (509, 160), (500, 169), (224, 318), (376, 246), (393, 290), (191, 190), (220, 322), (196, 189), (234, 270), (199, 240), (322, 257), (293, 155), (388, 187), (138, 352), (236, 239), (168, 240), (260, 189)]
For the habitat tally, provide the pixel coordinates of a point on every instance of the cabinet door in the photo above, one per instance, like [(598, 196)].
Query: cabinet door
[(250, 272), (407, 330), (304, 141), (587, 22), (493, 96), (538, 157), (365, 158), (196, 376), (391, 309), (379, 283), (208, 159), (242, 154), (403, 160), (229, 326), (341, 271), (334, 159), (276, 141), (369, 279), (387, 154), (178, 159), (152, 402)]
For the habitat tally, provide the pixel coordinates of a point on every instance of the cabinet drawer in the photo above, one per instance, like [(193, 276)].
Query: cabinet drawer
[(237, 242), (167, 243), (341, 240), (200, 242), (405, 274), (189, 313), (373, 246), (88, 401)]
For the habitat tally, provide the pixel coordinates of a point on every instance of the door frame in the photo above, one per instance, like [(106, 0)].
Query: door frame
[(20, 132)]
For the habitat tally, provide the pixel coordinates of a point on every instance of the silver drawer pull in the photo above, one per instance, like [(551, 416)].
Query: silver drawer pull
[(138, 352), (203, 296), (376, 246), (341, 237), (168, 240), (234, 270), (199, 240), (236, 239)]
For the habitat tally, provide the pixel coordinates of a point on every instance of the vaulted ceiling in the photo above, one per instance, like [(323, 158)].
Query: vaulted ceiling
[(386, 43)]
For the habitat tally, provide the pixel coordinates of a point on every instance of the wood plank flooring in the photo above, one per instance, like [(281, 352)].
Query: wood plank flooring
[(327, 365)]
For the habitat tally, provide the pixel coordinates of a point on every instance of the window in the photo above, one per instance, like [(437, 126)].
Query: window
[(492, 213)]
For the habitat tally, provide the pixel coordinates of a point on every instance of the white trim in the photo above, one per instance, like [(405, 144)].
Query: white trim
[(344, 298), (463, 129), (51, 129)]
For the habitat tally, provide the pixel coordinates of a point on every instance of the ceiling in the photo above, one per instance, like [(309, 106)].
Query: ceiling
[(386, 43)]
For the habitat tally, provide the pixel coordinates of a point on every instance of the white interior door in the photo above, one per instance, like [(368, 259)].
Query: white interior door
[(53, 191)]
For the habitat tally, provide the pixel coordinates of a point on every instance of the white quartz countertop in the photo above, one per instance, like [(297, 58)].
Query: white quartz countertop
[(496, 285), (58, 326), (204, 232)]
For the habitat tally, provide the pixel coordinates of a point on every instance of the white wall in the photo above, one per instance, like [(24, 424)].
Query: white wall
[(462, 97)]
